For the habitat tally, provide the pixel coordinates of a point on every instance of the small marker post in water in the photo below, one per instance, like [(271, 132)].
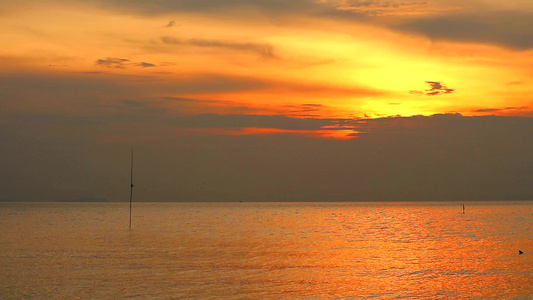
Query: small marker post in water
[(463, 209), (131, 183)]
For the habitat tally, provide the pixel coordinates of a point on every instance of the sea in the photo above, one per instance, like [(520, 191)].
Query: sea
[(348, 250)]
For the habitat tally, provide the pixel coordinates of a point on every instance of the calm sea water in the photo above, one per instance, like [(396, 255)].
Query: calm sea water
[(266, 251)]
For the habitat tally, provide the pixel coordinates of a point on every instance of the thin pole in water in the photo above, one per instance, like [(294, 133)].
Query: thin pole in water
[(463, 209), (131, 183)]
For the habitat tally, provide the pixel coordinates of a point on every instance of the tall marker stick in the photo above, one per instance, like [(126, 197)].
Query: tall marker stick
[(131, 183)]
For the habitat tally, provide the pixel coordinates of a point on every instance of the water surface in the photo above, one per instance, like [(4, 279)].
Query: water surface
[(266, 250)]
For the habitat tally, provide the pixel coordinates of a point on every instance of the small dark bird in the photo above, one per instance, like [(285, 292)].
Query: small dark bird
[(520, 252)]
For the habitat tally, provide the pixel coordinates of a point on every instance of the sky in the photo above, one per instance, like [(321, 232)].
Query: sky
[(266, 100)]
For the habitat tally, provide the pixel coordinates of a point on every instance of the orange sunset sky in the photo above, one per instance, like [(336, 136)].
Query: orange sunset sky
[(123, 73), (326, 58)]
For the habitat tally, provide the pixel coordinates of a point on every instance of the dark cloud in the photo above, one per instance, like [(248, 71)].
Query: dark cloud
[(264, 50), (365, 3), (444, 157), (247, 121), (89, 92), (273, 9), (379, 4), (181, 99), (145, 65), (171, 24), (207, 6), (500, 109), (28, 86), (505, 28), (306, 109), (112, 62), (210, 83), (377, 8), (191, 100), (199, 106), (62, 101), (36, 90), (436, 88), (121, 63)]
